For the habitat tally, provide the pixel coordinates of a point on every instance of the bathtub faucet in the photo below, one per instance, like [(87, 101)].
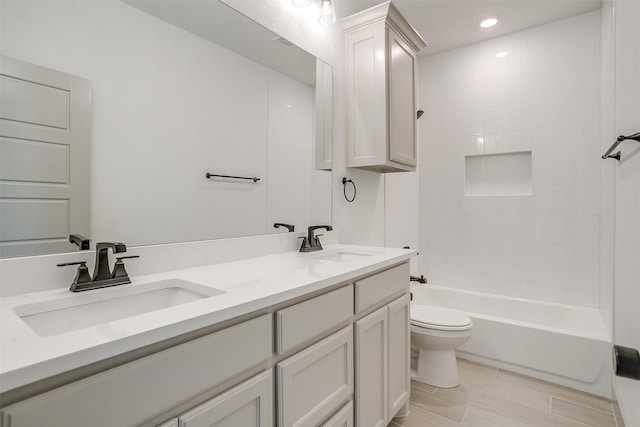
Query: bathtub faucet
[(420, 279)]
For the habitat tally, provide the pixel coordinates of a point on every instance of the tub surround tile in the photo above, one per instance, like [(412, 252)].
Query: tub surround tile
[(536, 99)]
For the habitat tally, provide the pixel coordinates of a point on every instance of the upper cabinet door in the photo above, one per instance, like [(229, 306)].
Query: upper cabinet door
[(381, 110), (402, 101)]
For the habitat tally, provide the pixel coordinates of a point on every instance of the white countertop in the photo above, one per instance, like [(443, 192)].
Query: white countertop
[(249, 285)]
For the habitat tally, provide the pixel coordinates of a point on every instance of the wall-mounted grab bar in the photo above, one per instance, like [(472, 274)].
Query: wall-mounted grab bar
[(608, 155), (213, 175)]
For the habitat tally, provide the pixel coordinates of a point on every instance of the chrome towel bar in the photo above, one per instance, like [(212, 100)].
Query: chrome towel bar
[(608, 155)]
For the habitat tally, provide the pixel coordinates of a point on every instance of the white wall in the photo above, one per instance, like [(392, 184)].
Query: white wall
[(627, 198), (607, 167), (363, 221), (169, 106), (544, 97)]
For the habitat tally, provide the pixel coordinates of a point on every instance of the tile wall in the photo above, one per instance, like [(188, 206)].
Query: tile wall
[(536, 90)]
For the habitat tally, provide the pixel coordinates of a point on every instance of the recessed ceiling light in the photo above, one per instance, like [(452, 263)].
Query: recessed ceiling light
[(501, 54), (489, 22)]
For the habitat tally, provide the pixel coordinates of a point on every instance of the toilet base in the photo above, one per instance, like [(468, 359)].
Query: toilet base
[(437, 368)]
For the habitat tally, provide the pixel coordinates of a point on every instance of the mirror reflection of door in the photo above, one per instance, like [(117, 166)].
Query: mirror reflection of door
[(45, 133)]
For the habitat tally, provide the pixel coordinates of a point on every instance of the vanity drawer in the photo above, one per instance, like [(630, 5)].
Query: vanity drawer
[(302, 322), (314, 383), (136, 391), (374, 289)]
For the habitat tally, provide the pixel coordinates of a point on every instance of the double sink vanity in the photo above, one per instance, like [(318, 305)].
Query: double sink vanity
[(290, 339)]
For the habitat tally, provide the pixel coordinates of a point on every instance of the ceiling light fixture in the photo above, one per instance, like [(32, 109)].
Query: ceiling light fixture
[(327, 13), (327, 10), (488, 22), (501, 54)]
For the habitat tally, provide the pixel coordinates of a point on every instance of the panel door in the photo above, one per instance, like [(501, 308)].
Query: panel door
[(371, 369), (315, 382), (45, 131), (249, 404), (402, 101), (399, 354)]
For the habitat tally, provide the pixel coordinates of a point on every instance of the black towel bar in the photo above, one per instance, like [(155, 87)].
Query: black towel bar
[(608, 155), (213, 175)]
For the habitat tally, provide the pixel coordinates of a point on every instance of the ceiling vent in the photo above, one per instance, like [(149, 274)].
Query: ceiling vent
[(283, 42)]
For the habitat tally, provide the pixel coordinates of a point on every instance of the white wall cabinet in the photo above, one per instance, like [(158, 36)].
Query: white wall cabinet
[(382, 364), (381, 101)]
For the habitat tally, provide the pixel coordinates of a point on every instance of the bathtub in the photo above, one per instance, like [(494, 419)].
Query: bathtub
[(563, 344)]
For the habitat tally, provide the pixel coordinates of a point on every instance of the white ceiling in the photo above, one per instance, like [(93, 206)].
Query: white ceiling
[(447, 24), (444, 24)]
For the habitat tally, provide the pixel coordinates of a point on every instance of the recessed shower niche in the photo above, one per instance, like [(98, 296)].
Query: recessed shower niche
[(498, 174)]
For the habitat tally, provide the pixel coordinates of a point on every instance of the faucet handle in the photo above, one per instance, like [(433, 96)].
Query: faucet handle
[(118, 268), (82, 275)]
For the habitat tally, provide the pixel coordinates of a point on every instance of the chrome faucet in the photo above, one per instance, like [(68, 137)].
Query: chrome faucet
[(102, 274), (312, 243)]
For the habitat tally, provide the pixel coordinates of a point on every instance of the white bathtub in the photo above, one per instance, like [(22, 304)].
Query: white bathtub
[(558, 343)]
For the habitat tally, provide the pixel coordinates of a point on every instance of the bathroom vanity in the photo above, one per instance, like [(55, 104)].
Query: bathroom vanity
[(314, 339)]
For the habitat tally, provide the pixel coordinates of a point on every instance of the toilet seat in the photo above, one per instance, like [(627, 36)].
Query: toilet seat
[(438, 318)]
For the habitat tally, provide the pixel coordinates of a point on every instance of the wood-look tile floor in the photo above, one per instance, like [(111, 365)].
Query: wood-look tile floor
[(490, 397)]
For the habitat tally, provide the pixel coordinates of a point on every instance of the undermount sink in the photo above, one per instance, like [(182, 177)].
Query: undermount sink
[(343, 256), (92, 308)]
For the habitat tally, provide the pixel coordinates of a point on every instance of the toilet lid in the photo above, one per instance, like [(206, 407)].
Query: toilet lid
[(432, 317)]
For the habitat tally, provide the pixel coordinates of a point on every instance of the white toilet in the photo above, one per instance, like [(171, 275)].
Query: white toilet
[(436, 332)]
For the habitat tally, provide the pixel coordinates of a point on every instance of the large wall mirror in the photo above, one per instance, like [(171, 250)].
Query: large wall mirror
[(180, 89)]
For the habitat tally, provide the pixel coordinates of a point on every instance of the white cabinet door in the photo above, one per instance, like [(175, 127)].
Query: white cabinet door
[(313, 383), (249, 404), (342, 418), (380, 85), (399, 354), (402, 101), (371, 369)]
